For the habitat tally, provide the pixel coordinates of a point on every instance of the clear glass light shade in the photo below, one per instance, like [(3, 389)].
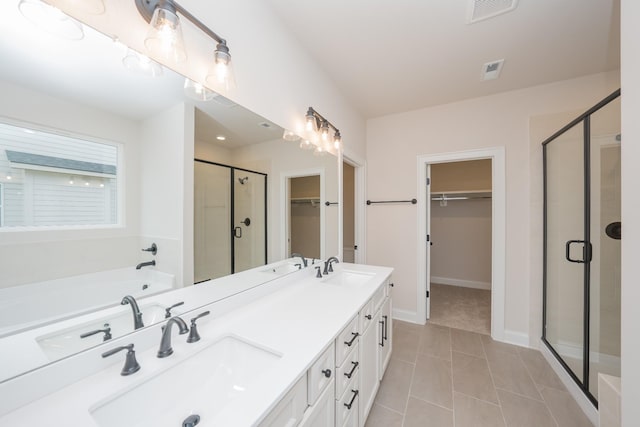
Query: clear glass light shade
[(307, 145), (51, 19), (220, 75), (197, 91), (319, 151), (289, 135), (164, 39), (141, 64)]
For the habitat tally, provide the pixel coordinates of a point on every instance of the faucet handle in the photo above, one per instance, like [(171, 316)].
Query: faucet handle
[(153, 249), (131, 365), (194, 336), (106, 331), (167, 311), (318, 273)]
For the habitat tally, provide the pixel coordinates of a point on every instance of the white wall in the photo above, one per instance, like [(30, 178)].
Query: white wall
[(166, 194), (630, 34), (30, 256), (498, 120)]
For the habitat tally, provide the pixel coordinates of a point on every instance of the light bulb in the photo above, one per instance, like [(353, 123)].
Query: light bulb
[(220, 75), (310, 121), (164, 39), (71, 181), (9, 177), (337, 140), (324, 131)]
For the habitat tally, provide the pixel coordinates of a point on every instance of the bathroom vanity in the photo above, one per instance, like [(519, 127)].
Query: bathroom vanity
[(297, 350)]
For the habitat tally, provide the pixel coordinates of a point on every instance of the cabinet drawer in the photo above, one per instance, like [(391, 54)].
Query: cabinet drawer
[(366, 315), (379, 296), (289, 411), (347, 340), (320, 374), (347, 371), (352, 420), (349, 403)]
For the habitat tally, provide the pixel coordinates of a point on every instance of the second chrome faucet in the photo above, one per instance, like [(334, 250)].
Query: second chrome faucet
[(165, 343)]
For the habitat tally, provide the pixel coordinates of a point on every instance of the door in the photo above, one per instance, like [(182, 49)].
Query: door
[(249, 219), (428, 242)]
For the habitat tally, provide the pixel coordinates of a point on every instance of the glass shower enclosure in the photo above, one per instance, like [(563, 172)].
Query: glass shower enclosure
[(230, 217), (582, 231)]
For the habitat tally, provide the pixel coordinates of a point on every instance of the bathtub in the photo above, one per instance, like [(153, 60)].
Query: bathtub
[(38, 304)]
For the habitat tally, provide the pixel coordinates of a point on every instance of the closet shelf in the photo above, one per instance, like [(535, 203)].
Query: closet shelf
[(313, 201)]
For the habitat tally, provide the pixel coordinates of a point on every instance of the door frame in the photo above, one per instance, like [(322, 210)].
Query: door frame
[(498, 230), (285, 213), (360, 237)]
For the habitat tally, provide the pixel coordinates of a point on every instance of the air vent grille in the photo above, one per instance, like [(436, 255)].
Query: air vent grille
[(491, 70), (483, 9)]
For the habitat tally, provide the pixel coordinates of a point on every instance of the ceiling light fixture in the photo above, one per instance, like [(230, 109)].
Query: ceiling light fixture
[(314, 122), (51, 19), (196, 91), (165, 39)]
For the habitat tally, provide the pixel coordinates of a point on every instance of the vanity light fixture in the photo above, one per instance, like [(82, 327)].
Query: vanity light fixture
[(196, 91), (314, 122), (51, 19), (165, 39)]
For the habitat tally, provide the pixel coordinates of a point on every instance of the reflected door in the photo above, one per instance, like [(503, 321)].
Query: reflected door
[(249, 220)]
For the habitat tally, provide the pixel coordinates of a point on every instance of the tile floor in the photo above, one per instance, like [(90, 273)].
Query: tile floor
[(444, 377), (461, 308)]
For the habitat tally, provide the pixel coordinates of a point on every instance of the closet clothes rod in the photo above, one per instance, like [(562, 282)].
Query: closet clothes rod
[(412, 201), (330, 203)]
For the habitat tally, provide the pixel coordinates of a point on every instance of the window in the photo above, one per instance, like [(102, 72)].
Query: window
[(49, 179)]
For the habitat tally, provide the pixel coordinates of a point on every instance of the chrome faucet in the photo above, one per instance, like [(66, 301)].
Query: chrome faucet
[(137, 314), (328, 265), (144, 264), (165, 343), (304, 260)]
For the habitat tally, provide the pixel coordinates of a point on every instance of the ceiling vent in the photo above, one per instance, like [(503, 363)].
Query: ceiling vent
[(480, 10), (491, 70), (266, 125)]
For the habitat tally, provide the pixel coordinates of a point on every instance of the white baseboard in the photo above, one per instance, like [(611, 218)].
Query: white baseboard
[(581, 399), (406, 316), (516, 338), (462, 283)]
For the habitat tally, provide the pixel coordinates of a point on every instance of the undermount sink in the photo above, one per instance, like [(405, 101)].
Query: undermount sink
[(64, 342), (348, 278), (202, 384)]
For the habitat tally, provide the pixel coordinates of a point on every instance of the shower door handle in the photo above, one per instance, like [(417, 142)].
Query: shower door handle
[(237, 232), (586, 251)]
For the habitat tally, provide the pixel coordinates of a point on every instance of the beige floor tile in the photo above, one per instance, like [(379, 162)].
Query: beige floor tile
[(380, 416), (564, 408), (405, 345), (435, 341), (471, 376), (421, 414), (461, 308), (467, 342), (540, 371), (509, 373), (491, 346), (520, 411), (407, 326), (470, 412), (394, 389), (432, 381)]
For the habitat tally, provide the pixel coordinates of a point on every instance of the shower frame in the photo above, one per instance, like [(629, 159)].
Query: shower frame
[(232, 178), (585, 118)]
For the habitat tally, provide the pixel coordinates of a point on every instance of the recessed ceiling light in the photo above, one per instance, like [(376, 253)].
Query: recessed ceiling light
[(221, 138)]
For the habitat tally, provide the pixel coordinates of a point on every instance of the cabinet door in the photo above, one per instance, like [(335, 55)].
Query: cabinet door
[(323, 413), (369, 344), (386, 331)]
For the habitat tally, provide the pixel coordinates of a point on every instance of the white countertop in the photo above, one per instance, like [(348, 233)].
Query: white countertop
[(298, 321)]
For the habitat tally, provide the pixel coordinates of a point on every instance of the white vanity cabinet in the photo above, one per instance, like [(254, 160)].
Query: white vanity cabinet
[(375, 346)]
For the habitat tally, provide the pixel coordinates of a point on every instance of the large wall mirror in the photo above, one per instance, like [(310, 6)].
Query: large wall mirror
[(99, 162)]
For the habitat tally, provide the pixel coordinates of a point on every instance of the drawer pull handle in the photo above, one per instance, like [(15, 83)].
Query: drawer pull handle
[(355, 366), (327, 373), (381, 343), (350, 404), (386, 320), (355, 335), (368, 316)]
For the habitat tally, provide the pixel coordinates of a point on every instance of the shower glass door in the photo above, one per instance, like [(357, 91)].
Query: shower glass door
[(582, 231), (565, 247), (249, 219)]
